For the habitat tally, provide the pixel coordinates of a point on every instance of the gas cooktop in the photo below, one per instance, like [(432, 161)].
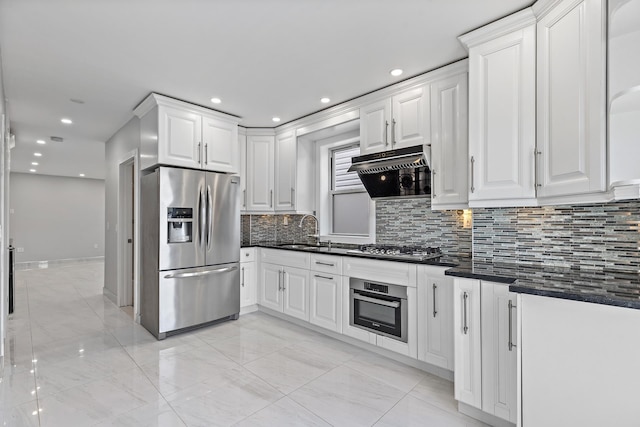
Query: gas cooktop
[(397, 252)]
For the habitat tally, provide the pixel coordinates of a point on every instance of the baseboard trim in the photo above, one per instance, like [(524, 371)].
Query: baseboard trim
[(113, 297), (34, 265)]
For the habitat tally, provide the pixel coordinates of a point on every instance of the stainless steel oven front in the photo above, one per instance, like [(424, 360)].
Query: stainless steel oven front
[(378, 307)]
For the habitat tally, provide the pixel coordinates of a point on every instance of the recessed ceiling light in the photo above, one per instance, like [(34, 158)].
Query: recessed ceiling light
[(77, 101), (41, 141), (34, 163), (37, 154), (325, 100), (32, 170), (396, 72), (276, 119), (81, 174), (56, 138), (66, 121), (216, 100)]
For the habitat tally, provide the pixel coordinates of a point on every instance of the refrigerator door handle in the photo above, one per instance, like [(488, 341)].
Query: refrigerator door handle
[(200, 273), (202, 217), (209, 218)]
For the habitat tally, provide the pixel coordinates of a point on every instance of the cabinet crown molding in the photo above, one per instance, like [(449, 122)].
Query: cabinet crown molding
[(155, 99), (506, 25), (542, 7)]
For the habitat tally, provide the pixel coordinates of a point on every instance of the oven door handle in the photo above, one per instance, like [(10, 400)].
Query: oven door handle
[(393, 304)]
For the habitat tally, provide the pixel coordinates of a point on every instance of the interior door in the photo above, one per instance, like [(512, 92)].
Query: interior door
[(222, 222), (181, 194)]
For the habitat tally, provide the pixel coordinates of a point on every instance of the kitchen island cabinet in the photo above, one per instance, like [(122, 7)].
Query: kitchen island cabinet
[(579, 363)]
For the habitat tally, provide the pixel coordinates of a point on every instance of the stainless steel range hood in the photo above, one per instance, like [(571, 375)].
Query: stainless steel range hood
[(403, 158), (404, 172)]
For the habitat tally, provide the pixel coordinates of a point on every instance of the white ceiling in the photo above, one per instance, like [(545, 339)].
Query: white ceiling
[(263, 58)]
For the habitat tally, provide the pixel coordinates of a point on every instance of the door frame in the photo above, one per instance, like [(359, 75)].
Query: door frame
[(124, 288)]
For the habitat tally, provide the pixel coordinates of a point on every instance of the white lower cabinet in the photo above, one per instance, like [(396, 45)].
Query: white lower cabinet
[(499, 356), (325, 305), (285, 289), (485, 347), (435, 317), (467, 352), (248, 279)]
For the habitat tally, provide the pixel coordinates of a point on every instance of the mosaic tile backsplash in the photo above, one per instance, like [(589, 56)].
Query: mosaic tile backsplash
[(600, 237), (411, 222), (597, 237), (271, 228)]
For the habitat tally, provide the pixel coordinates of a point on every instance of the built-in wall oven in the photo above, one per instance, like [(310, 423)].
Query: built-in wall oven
[(378, 307)]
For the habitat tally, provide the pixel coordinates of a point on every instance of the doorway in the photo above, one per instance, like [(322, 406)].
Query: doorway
[(128, 236)]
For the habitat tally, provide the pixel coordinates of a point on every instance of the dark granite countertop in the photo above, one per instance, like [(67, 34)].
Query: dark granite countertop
[(444, 261), (601, 287)]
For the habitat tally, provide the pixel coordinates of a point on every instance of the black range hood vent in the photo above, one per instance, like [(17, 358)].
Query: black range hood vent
[(403, 158)]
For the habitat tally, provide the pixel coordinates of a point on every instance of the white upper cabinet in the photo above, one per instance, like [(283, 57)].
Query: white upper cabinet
[(449, 147), (260, 172), (396, 122), (179, 137), (176, 133), (374, 127), (571, 97), (278, 171), (502, 111), (285, 171), (220, 145)]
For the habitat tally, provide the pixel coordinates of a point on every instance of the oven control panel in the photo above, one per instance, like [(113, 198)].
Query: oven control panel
[(376, 287)]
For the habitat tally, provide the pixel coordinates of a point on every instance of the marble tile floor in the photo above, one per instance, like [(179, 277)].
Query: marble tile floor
[(73, 358)]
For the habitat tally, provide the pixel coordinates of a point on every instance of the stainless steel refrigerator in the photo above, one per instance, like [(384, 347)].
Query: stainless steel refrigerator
[(190, 242)]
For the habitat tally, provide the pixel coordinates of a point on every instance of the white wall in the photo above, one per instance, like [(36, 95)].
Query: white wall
[(4, 223), (54, 217), (117, 149)]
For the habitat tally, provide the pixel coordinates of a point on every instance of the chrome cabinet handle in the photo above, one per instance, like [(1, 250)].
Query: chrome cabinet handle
[(465, 327), (279, 280), (435, 312), (244, 197), (283, 280), (393, 132), (242, 281), (199, 273), (535, 166), (433, 183), (206, 154), (323, 277), (292, 194), (511, 344), (330, 264), (472, 162), (271, 199), (386, 130), (199, 156), (392, 304)]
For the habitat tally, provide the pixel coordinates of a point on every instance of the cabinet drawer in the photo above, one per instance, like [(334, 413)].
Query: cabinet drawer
[(326, 263), (247, 254), (285, 258), (397, 273)]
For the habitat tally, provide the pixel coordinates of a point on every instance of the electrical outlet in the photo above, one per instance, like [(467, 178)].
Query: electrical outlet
[(95, 246), (286, 220), (20, 250), (12, 211)]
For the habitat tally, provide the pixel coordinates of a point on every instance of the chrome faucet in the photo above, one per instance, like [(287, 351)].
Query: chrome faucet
[(316, 235)]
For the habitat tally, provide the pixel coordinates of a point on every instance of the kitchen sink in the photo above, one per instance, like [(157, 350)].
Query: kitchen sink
[(299, 246)]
